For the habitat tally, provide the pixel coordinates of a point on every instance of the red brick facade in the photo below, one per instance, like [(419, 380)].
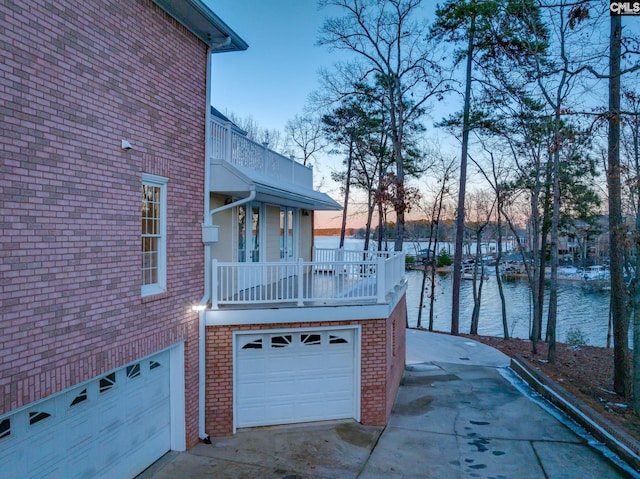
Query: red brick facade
[(76, 78), (382, 364)]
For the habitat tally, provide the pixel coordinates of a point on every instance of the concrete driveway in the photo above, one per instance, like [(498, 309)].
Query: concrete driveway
[(460, 413)]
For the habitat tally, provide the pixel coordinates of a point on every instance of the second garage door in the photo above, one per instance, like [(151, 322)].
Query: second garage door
[(113, 426), (296, 376)]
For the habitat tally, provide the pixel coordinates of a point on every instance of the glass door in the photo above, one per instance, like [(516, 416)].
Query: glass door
[(249, 241), (287, 234)]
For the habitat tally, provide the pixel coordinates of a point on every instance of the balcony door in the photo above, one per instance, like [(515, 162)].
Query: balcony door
[(288, 233), (288, 239), (249, 244)]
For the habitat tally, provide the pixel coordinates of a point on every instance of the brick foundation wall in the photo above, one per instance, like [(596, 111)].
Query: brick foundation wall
[(381, 369), (76, 78), (396, 353)]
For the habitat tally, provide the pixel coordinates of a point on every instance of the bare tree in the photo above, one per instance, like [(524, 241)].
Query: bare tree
[(497, 175), (443, 170), (632, 124), (478, 217), (389, 43), (270, 137), (304, 135), (486, 31), (617, 230)]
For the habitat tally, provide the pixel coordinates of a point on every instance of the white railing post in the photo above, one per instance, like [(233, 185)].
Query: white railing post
[(300, 282), (265, 157), (214, 284), (227, 143), (293, 169), (381, 276)]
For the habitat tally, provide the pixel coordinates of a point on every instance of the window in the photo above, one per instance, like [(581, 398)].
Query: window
[(107, 382), (154, 227), (337, 340), (281, 341), (37, 416), (256, 344), (249, 234), (79, 398), (5, 428), (311, 339), (133, 371)]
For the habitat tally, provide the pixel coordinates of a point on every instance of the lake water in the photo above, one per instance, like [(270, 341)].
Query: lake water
[(577, 308)]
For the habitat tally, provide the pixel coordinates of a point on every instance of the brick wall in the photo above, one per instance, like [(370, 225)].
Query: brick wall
[(382, 365), (396, 352), (381, 369), (76, 78)]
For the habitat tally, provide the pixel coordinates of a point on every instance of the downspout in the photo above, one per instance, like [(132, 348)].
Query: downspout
[(248, 199), (202, 306)]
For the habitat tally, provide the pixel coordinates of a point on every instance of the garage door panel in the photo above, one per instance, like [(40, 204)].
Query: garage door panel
[(311, 364), (253, 415), (79, 469), (158, 390), (46, 450), (251, 393), (152, 427), (296, 377), (110, 448), (280, 413), (80, 430), (280, 362), (313, 386), (337, 360), (112, 426), (10, 457), (254, 365), (50, 472), (136, 405)]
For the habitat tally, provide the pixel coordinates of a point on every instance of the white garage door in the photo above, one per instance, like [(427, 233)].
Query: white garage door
[(113, 426), (296, 376)]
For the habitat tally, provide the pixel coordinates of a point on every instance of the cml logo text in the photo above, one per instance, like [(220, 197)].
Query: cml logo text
[(624, 8)]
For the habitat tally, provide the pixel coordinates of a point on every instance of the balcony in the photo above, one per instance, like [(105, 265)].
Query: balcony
[(243, 165), (334, 278)]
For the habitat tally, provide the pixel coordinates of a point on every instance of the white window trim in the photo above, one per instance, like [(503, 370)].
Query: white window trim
[(161, 285)]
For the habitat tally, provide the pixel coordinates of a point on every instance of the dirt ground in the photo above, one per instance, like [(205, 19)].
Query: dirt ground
[(584, 371)]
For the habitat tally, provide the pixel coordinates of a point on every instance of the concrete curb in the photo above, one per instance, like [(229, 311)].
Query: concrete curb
[(618, 441)]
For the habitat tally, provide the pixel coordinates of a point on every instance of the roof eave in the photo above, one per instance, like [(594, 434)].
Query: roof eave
[(206, 25)]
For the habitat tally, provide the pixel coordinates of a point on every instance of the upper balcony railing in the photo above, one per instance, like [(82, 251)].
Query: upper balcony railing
[(334, 277), (237, 149)]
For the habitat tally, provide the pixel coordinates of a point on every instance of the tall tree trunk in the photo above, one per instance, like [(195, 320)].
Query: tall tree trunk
[(545, 228), (370, 208), (381, 196), (425, 265), (347, 187), (503, 304), (616, 225), (432, 296), (534, 277), (635, 381), (400, 201), (555, 222), (477, 285), (457, 258)]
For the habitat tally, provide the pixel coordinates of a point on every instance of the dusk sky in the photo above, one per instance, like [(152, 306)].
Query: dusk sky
[(273, 78)]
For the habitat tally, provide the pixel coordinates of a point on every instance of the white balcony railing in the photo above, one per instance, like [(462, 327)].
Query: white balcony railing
[(235, 148), (328, 280)]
